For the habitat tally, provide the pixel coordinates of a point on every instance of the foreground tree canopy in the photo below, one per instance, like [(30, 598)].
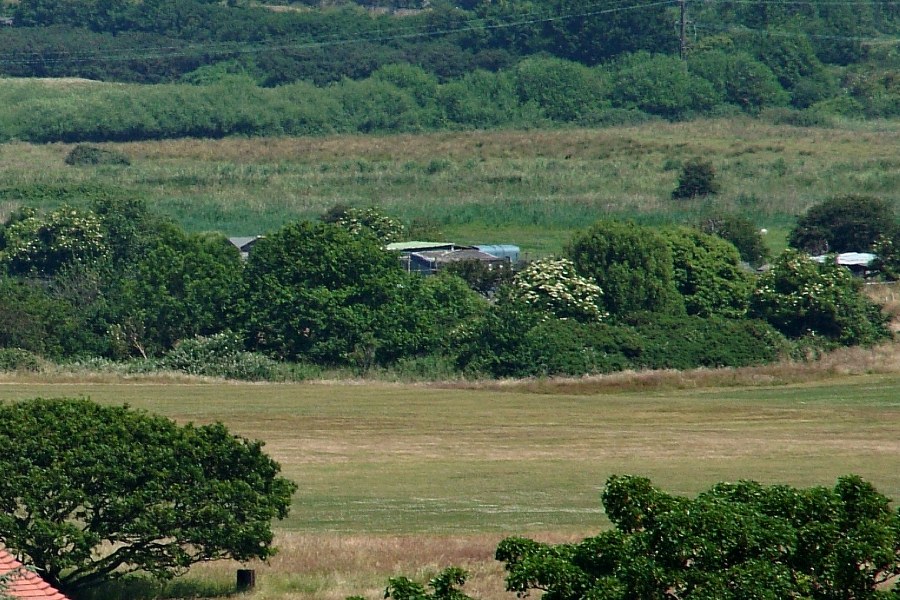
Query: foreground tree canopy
[(95, 492), (736, 541)]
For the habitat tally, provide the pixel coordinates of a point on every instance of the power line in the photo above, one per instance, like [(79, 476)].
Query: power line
[(244, 48)]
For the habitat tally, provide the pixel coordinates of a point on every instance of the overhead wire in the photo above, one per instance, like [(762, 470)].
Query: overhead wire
[(479, 24)]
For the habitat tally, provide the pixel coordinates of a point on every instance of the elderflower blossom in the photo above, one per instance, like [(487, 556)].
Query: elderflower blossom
[(553, 285)]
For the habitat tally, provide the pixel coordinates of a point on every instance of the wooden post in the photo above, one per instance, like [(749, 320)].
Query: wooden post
[(246, 580)]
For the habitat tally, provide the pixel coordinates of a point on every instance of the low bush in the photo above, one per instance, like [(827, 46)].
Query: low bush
[(688, 342), (83, 154), (220, 355), (16, 359)]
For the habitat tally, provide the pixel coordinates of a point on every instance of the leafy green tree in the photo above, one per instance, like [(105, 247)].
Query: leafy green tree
[(185, 285), (741, 232), (697, 178), (660, 85), (317, 291), (33, 319), (444, 586), (733, 542), (631, 264), (565, 91), (745, 81), (93, 492), (803, 298), (844, 224), (44, 245), (371, 220), (708, 273)]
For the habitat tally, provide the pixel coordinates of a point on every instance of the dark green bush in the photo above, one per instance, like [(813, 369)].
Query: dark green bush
[(697, 178), (741, 232), (92, 155), (220, 355), (850, 223), (688, 342), (16, 359)]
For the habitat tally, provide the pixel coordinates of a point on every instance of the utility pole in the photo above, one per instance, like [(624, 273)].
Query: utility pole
[(682, 27)]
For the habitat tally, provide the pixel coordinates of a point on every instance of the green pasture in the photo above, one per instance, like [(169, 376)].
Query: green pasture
[(531, 188), (375, 458)]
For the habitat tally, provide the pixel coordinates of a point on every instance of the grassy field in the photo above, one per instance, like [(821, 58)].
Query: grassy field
[(531, 188), (411, 478)]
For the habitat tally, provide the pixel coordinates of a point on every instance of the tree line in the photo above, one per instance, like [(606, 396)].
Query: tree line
[(476, 65), (119, 282)]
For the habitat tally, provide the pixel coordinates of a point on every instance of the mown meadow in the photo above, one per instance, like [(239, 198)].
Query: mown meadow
[(411, 478), (531, 188)]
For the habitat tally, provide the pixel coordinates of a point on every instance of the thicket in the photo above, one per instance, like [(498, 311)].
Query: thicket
[(116, 282)]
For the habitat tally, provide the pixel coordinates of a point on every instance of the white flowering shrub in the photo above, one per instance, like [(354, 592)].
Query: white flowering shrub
[(387, 229), (42, 245), (803, 298), (552, 285)]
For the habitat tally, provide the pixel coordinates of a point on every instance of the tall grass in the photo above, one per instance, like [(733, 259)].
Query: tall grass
[(532, 188)]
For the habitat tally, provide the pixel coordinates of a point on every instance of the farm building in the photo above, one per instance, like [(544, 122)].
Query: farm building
[(429, 257), (860, 263), (25, 583), (245, 244)]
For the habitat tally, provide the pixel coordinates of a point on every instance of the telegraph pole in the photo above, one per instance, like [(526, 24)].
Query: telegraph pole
[(682, 27)]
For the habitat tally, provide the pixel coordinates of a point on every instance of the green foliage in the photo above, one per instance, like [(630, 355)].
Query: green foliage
[(697, 178), (801, 297), (92, 493), (44, 245), (844, 224), (553, 286), (319, 292), (372, 220), (92, 155), (660, 85), (741, 232), (565, 91), (33, 320), (220, 355), (689, 342), (744, 81), (16, 359), (735, 541), (630, 263), (183, 286), (708, 273), (444, 586)]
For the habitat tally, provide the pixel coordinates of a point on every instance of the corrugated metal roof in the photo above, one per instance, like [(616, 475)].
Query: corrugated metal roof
[(26, 584), (421, 246), (849, 259)]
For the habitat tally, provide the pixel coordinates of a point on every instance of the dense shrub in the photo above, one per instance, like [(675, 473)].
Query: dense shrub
[(844, 224), (803, 298), (16, 359), (660, 85), (631, 264), (91, 155), (741, 232), (220, 355), (708, 273), (553, 285), (514, 340), (688, 342), (697, 178)]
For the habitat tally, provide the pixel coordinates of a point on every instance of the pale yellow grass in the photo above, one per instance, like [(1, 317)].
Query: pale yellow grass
[(333, 567)]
